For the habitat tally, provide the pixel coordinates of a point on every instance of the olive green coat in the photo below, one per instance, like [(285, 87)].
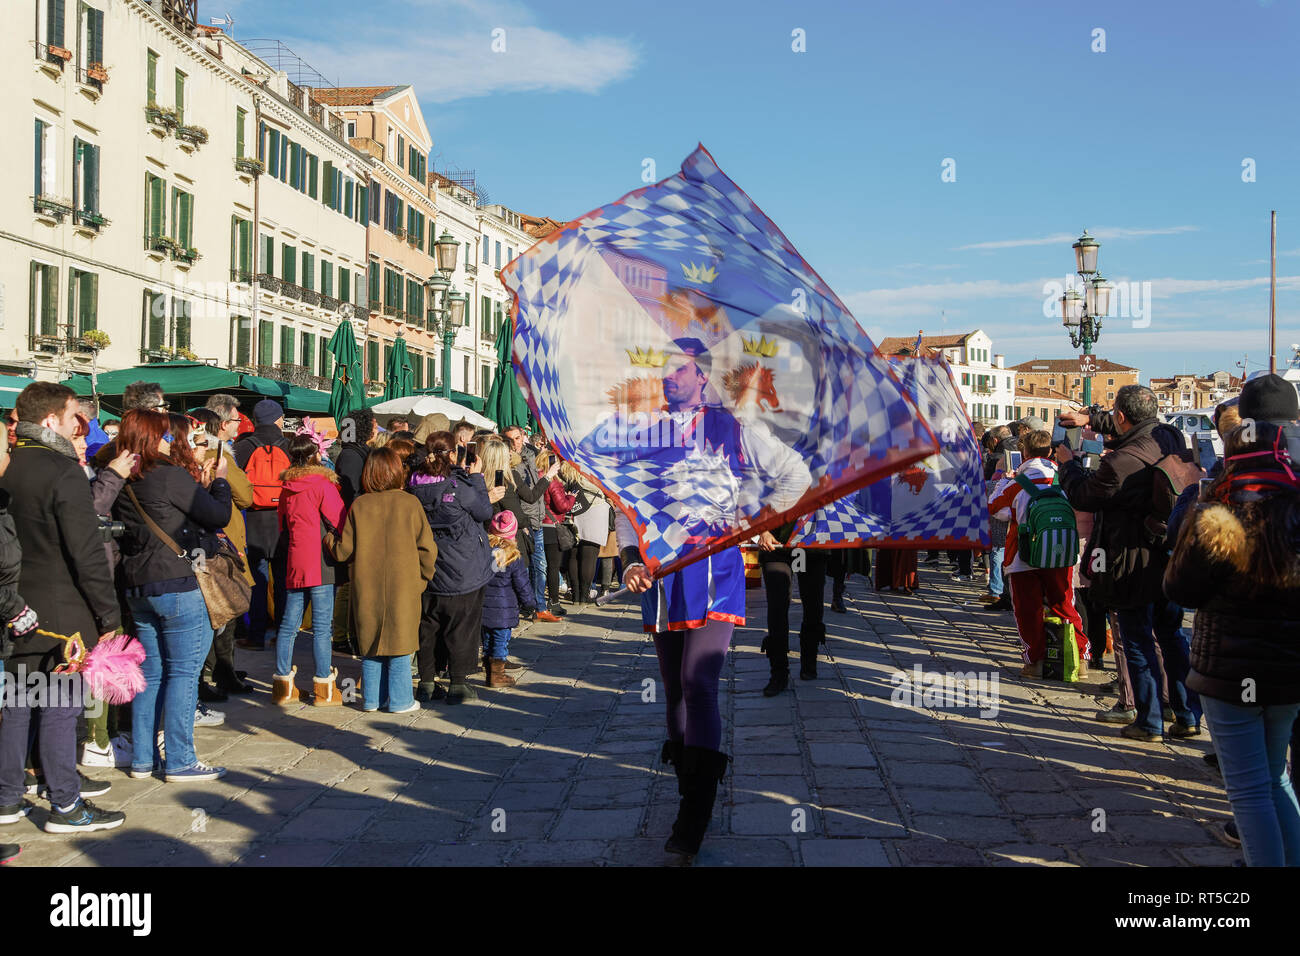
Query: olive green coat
[(392, 555)]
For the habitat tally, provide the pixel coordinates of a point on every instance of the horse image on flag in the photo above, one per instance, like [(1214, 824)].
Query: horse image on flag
[(935, 503), (681, 353)]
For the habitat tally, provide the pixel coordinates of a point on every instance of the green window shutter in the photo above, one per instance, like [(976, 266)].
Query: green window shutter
[(326, 359), (245, 246), (308, 351), (265, 342), (348, 191), (183, 310), (187, 202), (326, 278), (273, 160), (54, 34), (156, 305), (345, 284), (374, 286), (267, 265), (96, 36), (431, 370), (151, 77), (240, 116), (288, 263), (286, 345), (243, 341), (180, 97), (308, 271), (91, 159), (234, 247), (328, 196), (77, 171), (40, 157), (88, 303)]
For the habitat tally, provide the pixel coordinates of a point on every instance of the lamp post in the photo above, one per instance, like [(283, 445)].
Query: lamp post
[(446, 305), (1082, 314)]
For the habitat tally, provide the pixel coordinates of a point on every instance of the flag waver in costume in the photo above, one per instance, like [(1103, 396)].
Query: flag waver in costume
[(619, 317), (677, 349)]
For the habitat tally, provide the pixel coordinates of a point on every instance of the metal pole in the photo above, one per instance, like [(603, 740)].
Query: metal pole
[(1087, 379), (1272, 298), (447, 336)]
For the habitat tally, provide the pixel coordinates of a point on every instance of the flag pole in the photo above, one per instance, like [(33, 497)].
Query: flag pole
[(1272, 298)]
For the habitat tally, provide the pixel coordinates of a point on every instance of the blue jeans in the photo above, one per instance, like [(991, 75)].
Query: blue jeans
[(386, 682), (176, 633), (996, 584), (1139, 629), (1251, 741), (539, 570), (322, 620), (495, 641)]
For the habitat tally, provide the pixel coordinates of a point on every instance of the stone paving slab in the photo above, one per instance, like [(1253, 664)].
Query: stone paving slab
[(563, 769)]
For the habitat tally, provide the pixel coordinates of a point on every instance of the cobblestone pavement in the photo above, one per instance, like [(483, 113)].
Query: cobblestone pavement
[(563, 768)]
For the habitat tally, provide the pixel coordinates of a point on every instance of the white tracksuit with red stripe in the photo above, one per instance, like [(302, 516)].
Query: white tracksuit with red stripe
[(1032, 588)]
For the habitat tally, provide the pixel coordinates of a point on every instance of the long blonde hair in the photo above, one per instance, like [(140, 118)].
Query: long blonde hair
[(495, 455), (504, 549)]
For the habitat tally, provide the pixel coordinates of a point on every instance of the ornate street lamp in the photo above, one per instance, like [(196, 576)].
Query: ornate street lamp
[(446, 305), (1082, 314)]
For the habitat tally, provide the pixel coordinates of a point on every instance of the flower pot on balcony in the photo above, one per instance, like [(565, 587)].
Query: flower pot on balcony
[(97, 71), (96, 340), (188, 256), (62, 53), (192, 134), (250, 165)]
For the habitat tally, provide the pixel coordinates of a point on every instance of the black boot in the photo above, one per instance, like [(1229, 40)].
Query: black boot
[(671, 755), (778, 682), (808, 655), (698, 775)]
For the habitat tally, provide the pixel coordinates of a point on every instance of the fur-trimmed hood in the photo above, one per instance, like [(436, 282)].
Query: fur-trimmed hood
[(1221, 535), (306, 473)]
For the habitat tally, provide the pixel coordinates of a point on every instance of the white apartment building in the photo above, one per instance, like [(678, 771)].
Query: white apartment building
[(299, 248), (123, 147), (149, 219), (501, 239), (987, 387)]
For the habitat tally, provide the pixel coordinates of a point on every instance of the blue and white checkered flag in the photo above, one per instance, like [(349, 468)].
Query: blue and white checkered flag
[(679, 351)]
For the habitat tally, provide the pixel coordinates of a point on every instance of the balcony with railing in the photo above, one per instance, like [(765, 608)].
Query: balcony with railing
[(310, 296), (299, 375), (329, 303), (52, 58)]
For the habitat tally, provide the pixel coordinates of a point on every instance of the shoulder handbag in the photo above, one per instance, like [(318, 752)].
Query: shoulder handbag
[(221, 577)]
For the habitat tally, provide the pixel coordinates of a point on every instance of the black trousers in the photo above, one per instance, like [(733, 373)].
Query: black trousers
[(554, 557), (1093, 613), (837, 568), (220, 665), (777, 574), (451, 634), (581, 570)]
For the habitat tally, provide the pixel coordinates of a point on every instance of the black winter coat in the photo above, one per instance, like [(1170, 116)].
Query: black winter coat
[(348, 465), (508, 590), (1119, 493), (457, 507), (189, 514), (1242, 639), (11, 564), (65, 576)]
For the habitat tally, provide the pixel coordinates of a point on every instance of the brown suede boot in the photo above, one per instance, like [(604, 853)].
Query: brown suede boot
[(497, 676), (326, 692), (283, 689)]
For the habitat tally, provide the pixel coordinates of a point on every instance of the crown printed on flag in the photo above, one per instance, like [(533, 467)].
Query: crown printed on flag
[(700, 274), (647, 358), (761, 347)]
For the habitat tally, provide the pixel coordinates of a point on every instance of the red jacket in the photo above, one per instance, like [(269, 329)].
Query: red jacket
[(309, 506), (558, 504)]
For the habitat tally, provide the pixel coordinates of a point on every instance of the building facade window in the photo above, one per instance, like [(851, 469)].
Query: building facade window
[(286, 345), (241, 120), (46, 166), (83, 302), (44, 299), (266, 342), (180, 97), (241, 249), (85, 177), (183, 218), (241, 341), (155, 208), (151, 78)]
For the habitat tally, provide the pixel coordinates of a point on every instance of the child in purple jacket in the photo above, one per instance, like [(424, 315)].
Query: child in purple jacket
[(507, 591)]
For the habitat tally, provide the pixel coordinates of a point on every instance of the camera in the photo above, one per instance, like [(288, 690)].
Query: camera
[(110, 530)]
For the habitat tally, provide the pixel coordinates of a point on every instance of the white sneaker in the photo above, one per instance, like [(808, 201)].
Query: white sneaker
[(593, 594), (205, 716), (116, 754)]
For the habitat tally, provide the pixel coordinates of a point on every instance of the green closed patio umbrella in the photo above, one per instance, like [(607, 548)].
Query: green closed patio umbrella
[(399, 379), (505, 402), (347, 393)]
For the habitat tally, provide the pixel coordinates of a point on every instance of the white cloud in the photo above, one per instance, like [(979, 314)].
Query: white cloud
[(1069, 238), (445, 49)]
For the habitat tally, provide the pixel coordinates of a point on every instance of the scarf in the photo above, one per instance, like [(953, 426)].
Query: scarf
[(50, 439)]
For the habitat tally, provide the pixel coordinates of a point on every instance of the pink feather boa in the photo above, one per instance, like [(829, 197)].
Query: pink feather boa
[(112, 669)]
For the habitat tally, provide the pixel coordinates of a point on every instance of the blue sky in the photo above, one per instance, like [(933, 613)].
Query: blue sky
[(842, 145)]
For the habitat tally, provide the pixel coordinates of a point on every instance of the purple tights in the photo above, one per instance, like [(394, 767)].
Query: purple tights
[(690, 663)]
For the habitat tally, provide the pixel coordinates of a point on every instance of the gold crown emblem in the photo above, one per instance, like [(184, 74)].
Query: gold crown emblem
[(647, 358), (700, 274), (762, 347)]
